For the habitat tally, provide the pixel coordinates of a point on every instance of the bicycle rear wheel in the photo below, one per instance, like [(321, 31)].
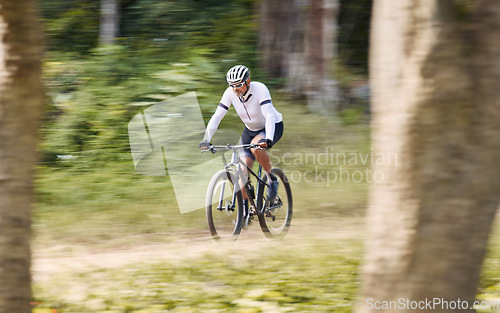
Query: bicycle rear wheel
[(276, 217), (224, 216)]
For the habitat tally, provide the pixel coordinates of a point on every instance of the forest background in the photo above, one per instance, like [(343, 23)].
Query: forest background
[(164, 50), (91, 205)]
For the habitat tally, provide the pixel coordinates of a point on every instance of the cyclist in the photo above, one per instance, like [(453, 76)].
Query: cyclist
[(263, 123)]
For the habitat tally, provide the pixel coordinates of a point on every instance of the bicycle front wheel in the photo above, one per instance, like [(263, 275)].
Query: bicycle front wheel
[(224, 210), (276, 217)]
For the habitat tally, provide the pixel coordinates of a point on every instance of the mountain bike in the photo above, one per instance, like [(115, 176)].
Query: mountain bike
[(224, 200)]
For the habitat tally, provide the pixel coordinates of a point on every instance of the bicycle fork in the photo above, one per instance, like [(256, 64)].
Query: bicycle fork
[(232, 204)]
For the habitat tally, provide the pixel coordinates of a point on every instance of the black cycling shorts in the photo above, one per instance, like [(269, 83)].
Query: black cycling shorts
[(248, 135)]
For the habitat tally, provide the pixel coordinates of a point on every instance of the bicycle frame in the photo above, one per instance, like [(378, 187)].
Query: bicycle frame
[(237, 166)]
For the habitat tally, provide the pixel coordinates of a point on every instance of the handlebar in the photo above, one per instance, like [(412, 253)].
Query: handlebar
[(215, 148)]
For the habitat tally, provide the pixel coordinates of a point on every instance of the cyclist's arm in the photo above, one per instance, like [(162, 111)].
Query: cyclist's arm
[(214, 122), (270, 119)]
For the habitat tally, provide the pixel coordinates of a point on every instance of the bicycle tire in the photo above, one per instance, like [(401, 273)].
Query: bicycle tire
[(276, 222), (224, 223)]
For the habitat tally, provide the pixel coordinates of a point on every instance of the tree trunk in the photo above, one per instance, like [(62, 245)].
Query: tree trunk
[(21, 99), (110, 21), (319, 49), (436, 107), (297, 42), (275, 35)]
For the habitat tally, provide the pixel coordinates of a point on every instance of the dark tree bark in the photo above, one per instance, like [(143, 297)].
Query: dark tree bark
[(436, 106), (297, 42), (21, 99), (276, 35)]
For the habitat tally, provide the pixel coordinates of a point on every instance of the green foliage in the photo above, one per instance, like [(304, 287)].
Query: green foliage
[(161, 27), (352, 116), (489, 287), (71, 26), (167, 48), (115, 199), (95, 98), (172, 47)]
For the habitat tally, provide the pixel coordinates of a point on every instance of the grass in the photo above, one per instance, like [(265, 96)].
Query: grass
[(83, 211), (309, 271), (314, 269), (117, 242), (78, 202)]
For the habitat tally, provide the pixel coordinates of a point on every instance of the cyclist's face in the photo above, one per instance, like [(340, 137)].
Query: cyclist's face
[(240, 89)]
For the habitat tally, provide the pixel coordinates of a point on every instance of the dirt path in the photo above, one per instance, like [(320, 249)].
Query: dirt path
[(48, 261)]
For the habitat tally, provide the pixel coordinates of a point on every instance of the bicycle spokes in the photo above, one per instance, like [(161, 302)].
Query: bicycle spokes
[(276, 215), (224, 202), (223, 207)]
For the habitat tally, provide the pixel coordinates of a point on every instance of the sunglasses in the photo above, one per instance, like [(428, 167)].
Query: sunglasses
[(237, 85)]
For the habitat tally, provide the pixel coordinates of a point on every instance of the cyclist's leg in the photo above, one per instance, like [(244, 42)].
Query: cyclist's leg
[(261, 154), (263, 157), (249, 161), (246, 138)]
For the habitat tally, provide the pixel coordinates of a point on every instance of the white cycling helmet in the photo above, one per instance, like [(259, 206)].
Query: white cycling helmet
[(237, 74)]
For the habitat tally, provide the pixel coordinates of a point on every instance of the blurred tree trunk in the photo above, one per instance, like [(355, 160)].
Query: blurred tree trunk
[(21, 99), (276, 35), (110, 22), (435, 68), (297, 42)]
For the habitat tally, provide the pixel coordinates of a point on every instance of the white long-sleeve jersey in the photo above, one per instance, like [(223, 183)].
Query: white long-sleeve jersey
[(255, 109)]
